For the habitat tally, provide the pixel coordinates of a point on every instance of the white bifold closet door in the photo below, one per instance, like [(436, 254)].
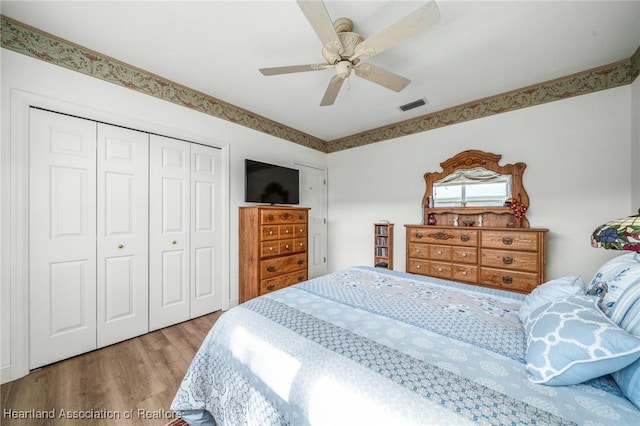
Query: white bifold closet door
[(184, 231), (123, 234), (62, 237), (88, 235)]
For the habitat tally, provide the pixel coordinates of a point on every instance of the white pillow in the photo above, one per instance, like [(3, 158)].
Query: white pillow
[(550, 291)]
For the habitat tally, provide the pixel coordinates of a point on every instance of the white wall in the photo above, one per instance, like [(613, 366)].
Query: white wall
[(142, 112), (578, 176)]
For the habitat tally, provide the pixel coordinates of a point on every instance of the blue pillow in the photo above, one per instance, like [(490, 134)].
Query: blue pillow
[(570, 341), (614, 282), (550, 291), (629, 381)]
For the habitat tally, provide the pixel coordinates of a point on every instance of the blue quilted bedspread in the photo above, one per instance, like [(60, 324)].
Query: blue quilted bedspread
[(368, 346)]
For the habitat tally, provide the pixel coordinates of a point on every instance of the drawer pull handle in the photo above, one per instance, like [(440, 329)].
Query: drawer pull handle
[(441, 236), (301, 278), (286, 231), (464, 273), (270, 248), (507, 260), (464, 238), (270, 217), (270, 287), (418, 266), (507, 241), (271, 268), (301, 230), (439, 269), (286, 246), (439, 252), (507, 279), (300, 262), (417, 250), (271, 232), (301, 244), (419, 235), (300, 216), (464, 254)]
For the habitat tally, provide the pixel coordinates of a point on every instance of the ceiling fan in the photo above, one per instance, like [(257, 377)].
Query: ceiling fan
[(344, 50)]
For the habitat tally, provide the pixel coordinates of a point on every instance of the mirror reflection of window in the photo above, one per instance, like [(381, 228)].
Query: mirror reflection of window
[(472, 188)]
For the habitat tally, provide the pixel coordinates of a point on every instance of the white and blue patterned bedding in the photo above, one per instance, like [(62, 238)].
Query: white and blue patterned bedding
[(367, 346)]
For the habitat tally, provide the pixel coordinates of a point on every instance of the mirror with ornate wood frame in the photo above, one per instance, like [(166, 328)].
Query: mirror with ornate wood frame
[(476, 166)]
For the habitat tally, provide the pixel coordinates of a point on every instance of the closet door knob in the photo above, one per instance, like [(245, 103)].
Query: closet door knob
[(120, 246), (174, 242)]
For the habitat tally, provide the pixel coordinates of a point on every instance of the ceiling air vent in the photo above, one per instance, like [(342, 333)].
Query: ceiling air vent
[(414, 104)]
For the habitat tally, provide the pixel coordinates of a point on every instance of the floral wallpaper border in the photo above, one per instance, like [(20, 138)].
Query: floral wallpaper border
[(32, 42)]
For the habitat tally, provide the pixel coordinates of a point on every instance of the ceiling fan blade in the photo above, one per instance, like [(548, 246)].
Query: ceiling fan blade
[(382, 77), (294, 68), (331, 93), (419, 20), (319, 19)]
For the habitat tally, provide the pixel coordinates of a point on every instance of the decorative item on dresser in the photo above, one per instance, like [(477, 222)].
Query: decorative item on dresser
[(383, 245), (494, 247), (273, 249)]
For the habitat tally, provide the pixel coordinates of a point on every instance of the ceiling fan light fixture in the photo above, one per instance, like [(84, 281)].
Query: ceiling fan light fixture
[(343, 69), (414, 104)]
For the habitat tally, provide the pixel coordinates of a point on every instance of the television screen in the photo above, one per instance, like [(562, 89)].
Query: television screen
[(268, 183)]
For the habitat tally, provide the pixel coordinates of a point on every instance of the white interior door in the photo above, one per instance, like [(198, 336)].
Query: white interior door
[(169, 226), (206, 230), (313, 193), (62, 236), (122, 240)]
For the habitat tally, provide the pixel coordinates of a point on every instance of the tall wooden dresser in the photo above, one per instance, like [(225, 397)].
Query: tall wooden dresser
[(273, 249)]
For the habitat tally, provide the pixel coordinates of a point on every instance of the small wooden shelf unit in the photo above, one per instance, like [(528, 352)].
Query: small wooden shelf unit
[(383, 245)]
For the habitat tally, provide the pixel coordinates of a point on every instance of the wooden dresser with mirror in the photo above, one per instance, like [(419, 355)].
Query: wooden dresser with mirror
[(470, 234)]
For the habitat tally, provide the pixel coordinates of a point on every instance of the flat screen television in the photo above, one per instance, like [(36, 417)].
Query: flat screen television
[(271, 184)]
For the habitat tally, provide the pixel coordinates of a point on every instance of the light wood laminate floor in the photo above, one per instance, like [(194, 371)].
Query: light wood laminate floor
[(128, 383)]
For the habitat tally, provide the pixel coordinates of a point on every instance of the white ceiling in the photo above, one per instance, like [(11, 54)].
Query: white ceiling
[(477, 49)]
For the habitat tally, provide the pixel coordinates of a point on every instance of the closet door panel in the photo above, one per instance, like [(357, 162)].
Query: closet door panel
[(62, 237), (169, 238), (206, 206), (123, 212)]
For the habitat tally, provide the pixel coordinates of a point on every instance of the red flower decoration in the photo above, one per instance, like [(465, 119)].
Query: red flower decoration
[(517, 208)]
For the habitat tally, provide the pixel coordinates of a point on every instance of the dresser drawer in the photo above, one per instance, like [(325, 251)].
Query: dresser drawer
[(300, 230), (506, 259), (456, 237), (440, 252), (269, 233), (281, 265), (509, 280), (282, 216), (464, 255), (418, 250), (465, 273), (441, 270), (511, 240), (283, 281), (285, 231), (269, 248), (418, 266)]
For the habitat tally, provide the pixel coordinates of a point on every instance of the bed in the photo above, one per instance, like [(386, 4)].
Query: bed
[(368, 346)]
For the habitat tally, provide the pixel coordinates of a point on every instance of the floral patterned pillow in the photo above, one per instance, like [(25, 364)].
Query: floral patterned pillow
[(617, 285)]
